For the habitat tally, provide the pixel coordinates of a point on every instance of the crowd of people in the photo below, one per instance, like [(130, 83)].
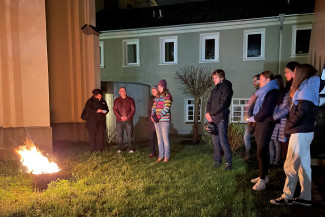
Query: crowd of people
[(281, 118)]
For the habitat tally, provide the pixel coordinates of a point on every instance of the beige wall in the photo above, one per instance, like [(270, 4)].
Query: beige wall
[(73, 57), (24, 91), (317, 45)]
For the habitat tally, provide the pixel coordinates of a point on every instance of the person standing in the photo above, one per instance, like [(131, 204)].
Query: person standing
[(267, 97), (161, 115), (124, 110), (218, 113), (94, 113), (152, 130), (280, 118), (300, 127), (250, 125)]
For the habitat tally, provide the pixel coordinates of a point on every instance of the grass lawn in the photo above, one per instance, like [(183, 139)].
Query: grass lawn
[(111, 184)]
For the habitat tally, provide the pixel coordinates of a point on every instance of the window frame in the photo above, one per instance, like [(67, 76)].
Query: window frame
[(245, 44), (101, 53), (203, 38), (186, 105), (295, 28), (242, 110), (162, 42), (125, 44)]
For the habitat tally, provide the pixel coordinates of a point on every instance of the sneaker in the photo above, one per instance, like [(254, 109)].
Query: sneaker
[(266, 180), (131, 151), (118, 151), (152, 155), (281, 201), (302, 202), (259, 186), (159, 160), (228, 166), (166, 159)]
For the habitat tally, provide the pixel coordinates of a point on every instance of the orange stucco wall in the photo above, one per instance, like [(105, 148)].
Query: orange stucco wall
[(24, 89), (317, 44)]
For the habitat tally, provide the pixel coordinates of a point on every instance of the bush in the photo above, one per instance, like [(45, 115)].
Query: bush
[(236, 133)]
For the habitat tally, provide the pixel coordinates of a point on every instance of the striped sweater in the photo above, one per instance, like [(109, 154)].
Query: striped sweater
[(161, 108)]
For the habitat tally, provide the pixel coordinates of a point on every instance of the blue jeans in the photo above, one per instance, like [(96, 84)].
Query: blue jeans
[(250, 128), (162, 130), (122, 126), (221, 141)]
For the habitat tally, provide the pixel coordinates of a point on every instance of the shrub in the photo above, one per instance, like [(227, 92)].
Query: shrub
[(236, 133)]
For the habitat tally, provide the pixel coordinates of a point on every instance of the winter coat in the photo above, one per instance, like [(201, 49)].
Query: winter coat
[(94, 119), (303, 113), (124, 107), (280, 117), (219, 101)]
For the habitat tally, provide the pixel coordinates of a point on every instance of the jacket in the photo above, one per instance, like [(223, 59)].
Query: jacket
[(124, 107), (161, 108), (93, 119), (266, 111), (219, 101)]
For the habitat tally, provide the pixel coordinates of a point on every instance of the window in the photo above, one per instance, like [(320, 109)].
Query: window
[(101, 54), (189, 110), (300, 40), (209, 47), (237, 110), (254, 44), (131, 54), (168, 50)]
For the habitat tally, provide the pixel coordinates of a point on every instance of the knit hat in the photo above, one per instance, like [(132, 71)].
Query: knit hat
[(162, 83), (292, 65), (154, 87)]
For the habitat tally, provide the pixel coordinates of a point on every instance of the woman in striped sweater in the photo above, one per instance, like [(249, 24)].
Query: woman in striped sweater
[(162, 117)]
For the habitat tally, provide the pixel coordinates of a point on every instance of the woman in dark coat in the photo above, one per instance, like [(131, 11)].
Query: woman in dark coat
[(95, 115)]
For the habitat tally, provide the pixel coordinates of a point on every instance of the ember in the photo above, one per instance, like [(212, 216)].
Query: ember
[(34, 161)]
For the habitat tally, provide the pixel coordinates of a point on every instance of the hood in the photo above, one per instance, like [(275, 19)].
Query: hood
[(308, 90)]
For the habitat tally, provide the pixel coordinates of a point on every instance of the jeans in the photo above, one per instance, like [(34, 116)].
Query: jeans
[(126, 126), (275, 151), (221, 141), (248, 135), (297, 166), (162, 130)]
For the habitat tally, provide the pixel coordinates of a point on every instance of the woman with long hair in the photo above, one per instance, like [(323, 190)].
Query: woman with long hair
[(161, 116), (300, 127), (267, 97)]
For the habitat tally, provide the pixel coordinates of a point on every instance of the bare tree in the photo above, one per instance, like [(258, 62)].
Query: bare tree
[(196, 81)]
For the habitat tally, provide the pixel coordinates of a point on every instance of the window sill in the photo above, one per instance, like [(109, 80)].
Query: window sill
[(131, 65), (164, 64), (211, 61), (101, 67), (297, 56), (253, 59)]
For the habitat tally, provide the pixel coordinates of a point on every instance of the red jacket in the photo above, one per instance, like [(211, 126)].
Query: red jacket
[(124, 107)]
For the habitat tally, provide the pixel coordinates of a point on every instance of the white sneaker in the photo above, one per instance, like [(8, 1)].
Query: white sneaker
[(131, 151), (267, 179), (118, 151), (259, 186)]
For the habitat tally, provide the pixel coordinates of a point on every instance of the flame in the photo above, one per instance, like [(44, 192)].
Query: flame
[(33, 159)]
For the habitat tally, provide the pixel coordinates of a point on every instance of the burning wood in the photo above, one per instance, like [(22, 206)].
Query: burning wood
[(34, 161)]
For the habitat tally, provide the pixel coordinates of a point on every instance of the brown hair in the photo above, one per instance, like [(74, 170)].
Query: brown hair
[(279, 81), (268, 74), (302, 72), (220, 73)]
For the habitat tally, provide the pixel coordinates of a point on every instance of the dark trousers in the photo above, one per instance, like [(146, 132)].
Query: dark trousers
[(221, 141), (96, 137), (126, 126), (152, 141), (263, 134)]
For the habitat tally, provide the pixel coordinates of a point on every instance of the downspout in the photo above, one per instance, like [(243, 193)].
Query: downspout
[(281, 19)]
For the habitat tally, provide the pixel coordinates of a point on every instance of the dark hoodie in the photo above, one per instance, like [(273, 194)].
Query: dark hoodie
[(219, 102)]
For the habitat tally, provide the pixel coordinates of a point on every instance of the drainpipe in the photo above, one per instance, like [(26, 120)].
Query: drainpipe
[(281, 19)]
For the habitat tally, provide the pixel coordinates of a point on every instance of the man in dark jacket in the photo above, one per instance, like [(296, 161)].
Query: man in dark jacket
[(124, 109), (218, 113), (95, 115)]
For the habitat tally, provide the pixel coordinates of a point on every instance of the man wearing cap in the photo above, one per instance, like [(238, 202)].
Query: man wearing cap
[(95, 115), (124, 109)]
